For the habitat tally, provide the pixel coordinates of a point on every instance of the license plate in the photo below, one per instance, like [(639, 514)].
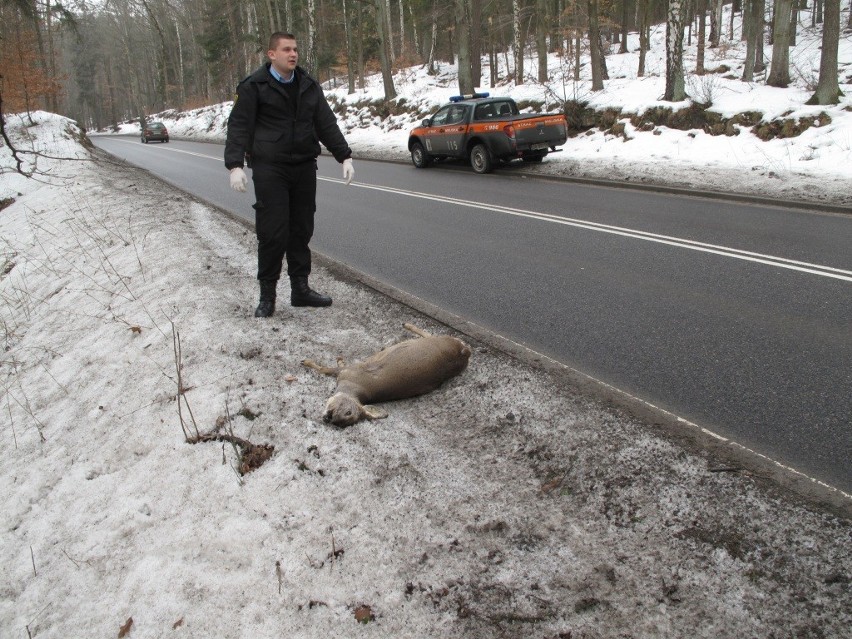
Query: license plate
[(538, 147)]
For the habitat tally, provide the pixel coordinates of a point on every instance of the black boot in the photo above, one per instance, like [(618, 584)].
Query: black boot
[(302, 295), (266, 307)]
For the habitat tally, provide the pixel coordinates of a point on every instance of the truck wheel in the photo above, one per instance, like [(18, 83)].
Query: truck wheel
[(480, 159), (419, 157)]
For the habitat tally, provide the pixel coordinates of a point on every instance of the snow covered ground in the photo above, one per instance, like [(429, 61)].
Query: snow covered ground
[(505, 504)]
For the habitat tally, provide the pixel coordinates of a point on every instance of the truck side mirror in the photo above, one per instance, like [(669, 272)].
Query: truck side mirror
[(427, 122)]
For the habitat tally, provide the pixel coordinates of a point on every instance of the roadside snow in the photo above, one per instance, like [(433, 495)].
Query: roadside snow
[(505, 504)]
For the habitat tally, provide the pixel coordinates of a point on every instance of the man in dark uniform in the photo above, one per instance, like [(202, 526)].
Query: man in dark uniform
[(279, 118)]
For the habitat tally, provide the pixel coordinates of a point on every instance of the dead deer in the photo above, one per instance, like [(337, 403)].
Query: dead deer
[(410, 368)]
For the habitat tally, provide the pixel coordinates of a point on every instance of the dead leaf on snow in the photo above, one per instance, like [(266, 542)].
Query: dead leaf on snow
[(364, 614), (125, 629), (553, 484), (177, 624), (290, 379), (136, 329)]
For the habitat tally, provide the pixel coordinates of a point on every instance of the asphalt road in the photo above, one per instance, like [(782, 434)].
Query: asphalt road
[(734, 316)]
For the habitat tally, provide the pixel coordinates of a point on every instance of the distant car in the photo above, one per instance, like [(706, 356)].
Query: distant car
[(155, 131)]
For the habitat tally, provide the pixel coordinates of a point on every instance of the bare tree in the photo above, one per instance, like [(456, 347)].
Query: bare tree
[(476, 41), (384, 48), (828, 90), (462, 22), (644, 11), (311, 58), (625, 24), (517, 42), (389, 32), (701, 9), (753, 31), (595, 46), (350, 65), (782, 27), (716, 21), (541, 28), (675, 91)]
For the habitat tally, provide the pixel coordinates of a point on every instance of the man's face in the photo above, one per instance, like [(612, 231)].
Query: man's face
[(285, 56)]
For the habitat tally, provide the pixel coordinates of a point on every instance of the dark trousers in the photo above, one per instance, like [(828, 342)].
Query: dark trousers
[(284, 217)]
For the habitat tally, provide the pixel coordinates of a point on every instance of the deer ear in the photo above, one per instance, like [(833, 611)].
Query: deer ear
[(371, 412)]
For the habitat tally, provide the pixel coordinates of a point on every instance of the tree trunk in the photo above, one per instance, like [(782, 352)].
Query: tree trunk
[(541, 38), (794, 21), (754, 39), (402, 28), (578, 39), (269, 16), (360, 25), (433, 43), (735, 6), (492, 54), (828, 91), (311, 57), (760, 22), (415, 34), (162, 57), (625, 19), (644, 35), (675, 91), (517, 42), (595, 46), (779, 73), (384, 57), (181, 81), (389, 33), (476, 41), (350, 63), (462, 20), (701, 8), (716, 22)]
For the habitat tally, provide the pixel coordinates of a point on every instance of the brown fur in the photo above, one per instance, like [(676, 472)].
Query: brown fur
[(410, 368)]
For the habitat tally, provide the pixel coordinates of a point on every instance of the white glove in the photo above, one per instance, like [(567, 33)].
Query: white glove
[(348, 170), (238, 180)]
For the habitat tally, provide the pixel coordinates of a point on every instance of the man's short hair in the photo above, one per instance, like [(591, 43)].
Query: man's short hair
[(279, 35)]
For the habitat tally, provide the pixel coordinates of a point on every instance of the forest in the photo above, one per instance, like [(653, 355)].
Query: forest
[(101, 62)]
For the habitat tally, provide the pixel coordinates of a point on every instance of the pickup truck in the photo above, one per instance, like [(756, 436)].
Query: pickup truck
[(484, 130)]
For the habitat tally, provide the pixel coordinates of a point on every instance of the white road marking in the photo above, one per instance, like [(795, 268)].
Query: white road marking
[(725, 251)]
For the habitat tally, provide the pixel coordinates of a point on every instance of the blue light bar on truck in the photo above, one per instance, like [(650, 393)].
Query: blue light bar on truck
[(472, 96)]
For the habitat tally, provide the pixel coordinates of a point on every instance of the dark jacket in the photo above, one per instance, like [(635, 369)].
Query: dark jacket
[(265, 123)]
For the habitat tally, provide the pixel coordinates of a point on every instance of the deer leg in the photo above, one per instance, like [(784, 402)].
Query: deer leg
[(325, 370), (416, 331)]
